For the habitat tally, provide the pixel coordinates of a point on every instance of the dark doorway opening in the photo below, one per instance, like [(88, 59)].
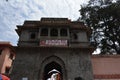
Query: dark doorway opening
[(51, 66), (78, 78)]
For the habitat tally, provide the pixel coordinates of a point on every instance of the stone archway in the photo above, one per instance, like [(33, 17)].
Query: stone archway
[(52, 68), (52, 62)]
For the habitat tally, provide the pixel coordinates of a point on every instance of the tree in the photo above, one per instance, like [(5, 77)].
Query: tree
[(103, 17)]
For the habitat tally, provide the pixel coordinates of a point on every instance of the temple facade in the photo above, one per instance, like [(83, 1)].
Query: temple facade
[(53, 46)]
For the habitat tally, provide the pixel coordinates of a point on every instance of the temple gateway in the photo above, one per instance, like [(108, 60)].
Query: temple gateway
[(53, 49)]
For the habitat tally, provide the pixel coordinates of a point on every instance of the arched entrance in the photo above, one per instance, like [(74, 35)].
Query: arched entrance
[(51, 69), (50, 63)]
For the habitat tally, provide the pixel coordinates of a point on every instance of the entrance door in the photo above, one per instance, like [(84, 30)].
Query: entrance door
[(53, 71)]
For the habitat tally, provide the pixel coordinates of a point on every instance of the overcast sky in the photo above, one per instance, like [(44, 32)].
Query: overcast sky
[(14, 12)]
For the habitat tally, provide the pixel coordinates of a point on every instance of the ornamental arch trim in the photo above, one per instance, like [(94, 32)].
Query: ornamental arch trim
[(49, 60)]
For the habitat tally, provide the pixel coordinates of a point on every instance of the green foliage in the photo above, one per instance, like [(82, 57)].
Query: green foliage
[(103, 17)]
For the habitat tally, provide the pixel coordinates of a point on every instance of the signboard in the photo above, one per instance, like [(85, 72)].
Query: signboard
[(53, 43)]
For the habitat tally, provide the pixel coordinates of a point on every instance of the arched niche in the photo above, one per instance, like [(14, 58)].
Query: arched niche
[(52, 62), (56, 69)]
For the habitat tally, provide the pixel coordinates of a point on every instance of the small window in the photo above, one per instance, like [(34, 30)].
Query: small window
[(54, 32), (0, 51), (7, 69), (44, 32), (63, 32), (32, 36), (11, 56), (75, 37)]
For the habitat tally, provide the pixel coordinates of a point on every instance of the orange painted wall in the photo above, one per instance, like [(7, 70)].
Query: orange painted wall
[(5, 61)]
